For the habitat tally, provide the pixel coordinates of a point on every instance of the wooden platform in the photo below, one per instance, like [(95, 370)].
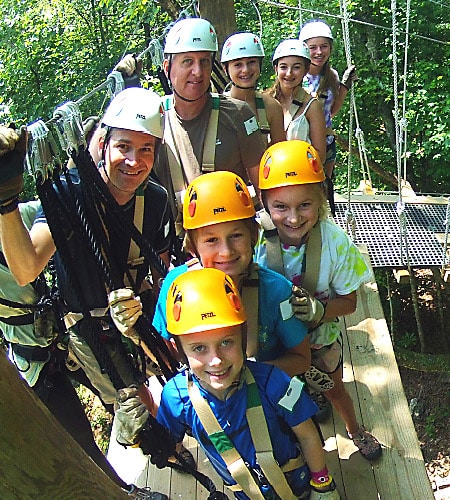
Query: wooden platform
[(372, 378)]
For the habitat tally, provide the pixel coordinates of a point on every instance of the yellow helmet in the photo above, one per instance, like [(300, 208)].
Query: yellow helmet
[(289, 163), (203, 299), (216, 197)]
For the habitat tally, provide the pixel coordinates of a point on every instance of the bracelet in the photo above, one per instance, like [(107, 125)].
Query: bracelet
[(343, 84), (9, 206)]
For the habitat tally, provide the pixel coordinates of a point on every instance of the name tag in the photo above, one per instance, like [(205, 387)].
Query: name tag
[(286, 310), (292, 395), (251, 125)]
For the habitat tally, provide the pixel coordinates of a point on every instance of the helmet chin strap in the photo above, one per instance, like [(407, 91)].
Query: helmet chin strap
[(185, 99), (242, 88)]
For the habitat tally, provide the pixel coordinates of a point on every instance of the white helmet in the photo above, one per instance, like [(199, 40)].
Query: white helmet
[(291, 47), (191, 35), (136, 109), (315, 29), (241, 45)]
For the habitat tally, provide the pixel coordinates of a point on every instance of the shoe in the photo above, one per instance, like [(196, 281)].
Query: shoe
[(328, 492), (145, 493), (324, 405), (367, 444), (318, 380)]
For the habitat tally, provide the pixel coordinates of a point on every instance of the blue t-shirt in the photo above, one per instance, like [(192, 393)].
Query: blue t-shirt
[(277, 330), (177, 413)]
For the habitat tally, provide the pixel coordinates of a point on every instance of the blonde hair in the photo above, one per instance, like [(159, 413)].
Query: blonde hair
[(189, 243), (320, 189)]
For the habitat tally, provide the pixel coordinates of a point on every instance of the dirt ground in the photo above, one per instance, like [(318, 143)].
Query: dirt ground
[(427, 392), (428, 395)]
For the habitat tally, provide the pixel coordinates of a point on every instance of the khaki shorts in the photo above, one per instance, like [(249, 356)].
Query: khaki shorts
[(328, 358)]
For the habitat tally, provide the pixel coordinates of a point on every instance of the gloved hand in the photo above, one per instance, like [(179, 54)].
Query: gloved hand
[(8, 139), (125, 309), (89, 125), (131, 416), (12, 156), (306, 308), (349, 77), (324, 492), (130, 64)]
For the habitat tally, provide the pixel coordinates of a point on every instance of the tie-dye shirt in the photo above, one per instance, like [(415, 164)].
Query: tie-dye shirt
[(311, 84), (342, 270)]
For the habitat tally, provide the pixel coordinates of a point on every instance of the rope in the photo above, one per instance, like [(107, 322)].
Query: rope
[(447, 224), (300, 13), (364, 161), (353, 20), (259, 19)]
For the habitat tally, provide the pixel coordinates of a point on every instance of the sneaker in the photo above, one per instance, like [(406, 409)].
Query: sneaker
[(328, 492), (145, 493), (367, 444), (324, 405), (318, 380)]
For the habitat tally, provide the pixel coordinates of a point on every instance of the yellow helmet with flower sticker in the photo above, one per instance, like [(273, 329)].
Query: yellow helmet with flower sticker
[(288, 163), (203, 299), (215, 197)]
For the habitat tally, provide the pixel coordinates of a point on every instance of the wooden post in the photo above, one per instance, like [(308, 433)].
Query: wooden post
[(221, 14), (38, 458)]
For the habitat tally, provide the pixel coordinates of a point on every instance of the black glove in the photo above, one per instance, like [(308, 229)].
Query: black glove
[(11, 168), (349, 77), (157, 441)]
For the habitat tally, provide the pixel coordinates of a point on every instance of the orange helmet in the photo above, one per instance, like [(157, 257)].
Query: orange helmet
[(289, 163), (203, 299), (216, 197)]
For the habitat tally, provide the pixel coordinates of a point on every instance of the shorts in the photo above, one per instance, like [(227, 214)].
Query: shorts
[(329, 357), (331, 151)]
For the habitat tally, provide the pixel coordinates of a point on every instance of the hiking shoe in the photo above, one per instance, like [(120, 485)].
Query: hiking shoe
[(324, 405), (318, 380), (367, 444), (145, 493)]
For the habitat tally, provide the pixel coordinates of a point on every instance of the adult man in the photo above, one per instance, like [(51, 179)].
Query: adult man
[(203, 132), (132, 131)]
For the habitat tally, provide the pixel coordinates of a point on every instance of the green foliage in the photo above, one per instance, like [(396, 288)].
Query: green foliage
[(51, 52)]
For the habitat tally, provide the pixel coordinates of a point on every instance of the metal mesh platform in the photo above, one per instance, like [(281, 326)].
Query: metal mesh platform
[(377, 226)]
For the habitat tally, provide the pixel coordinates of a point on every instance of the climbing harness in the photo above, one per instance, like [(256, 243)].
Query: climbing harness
[(270, 475), (178, 158), (261, 114), (275, 256)]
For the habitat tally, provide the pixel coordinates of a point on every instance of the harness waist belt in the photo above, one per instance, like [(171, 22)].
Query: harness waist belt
[(72, 318), (23, 319), (290, 465), (32, 353)]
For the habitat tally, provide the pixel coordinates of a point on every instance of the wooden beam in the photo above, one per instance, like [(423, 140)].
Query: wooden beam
[(38, 458), (401, 276)]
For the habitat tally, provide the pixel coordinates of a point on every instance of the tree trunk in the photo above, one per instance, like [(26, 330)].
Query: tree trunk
[(38, 458), (221, 14)]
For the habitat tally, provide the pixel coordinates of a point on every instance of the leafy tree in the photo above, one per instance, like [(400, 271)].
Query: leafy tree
[(59, 51)]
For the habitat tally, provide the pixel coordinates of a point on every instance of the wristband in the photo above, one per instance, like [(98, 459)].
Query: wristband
[(9, 206), (343, 84)]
